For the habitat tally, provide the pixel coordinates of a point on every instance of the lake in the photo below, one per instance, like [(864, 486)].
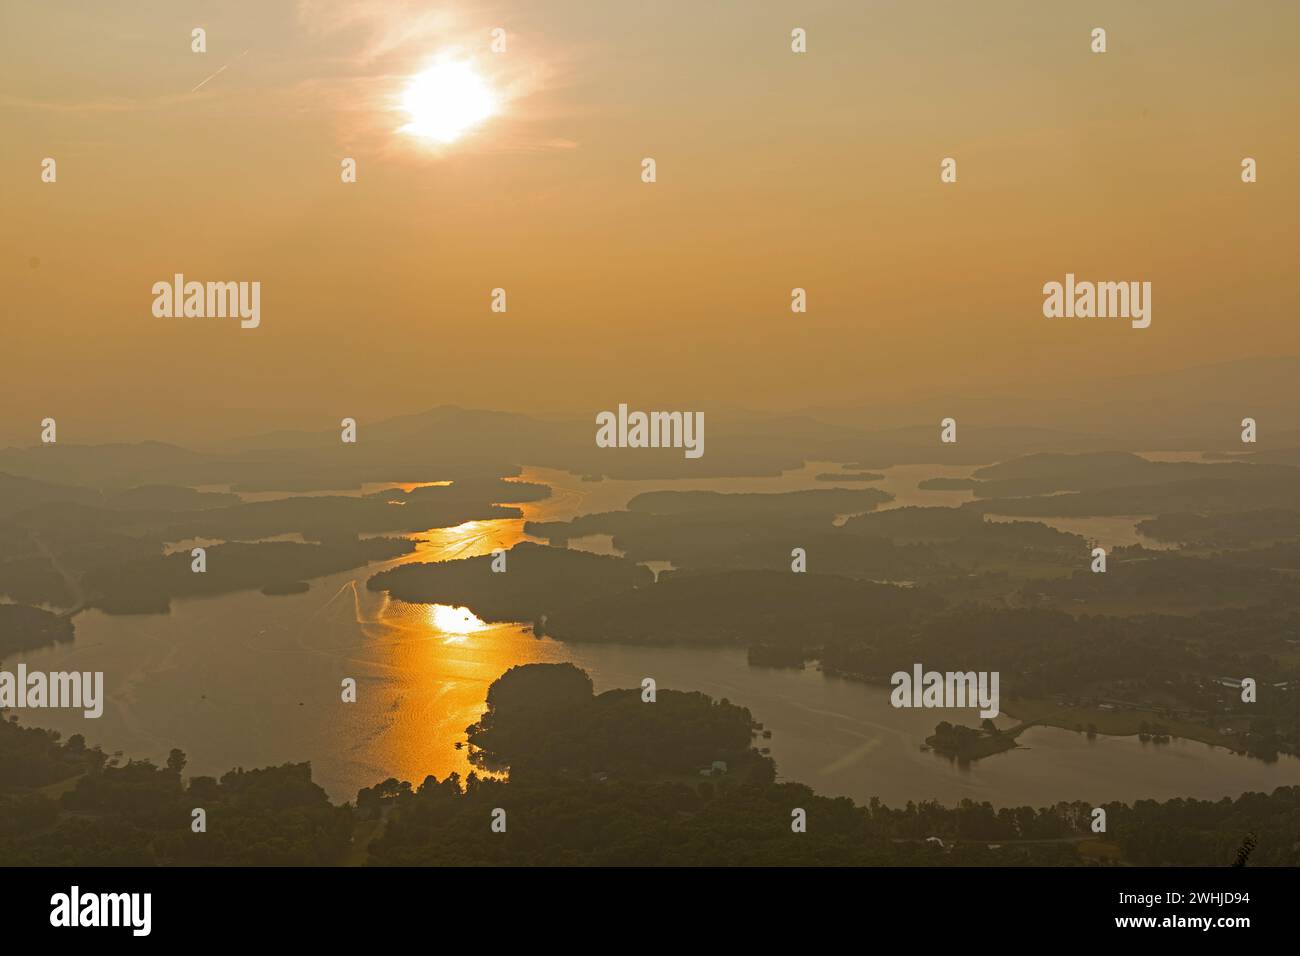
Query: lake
[(250, 680)]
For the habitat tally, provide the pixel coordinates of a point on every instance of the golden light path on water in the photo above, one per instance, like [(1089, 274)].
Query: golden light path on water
[(436, 662)]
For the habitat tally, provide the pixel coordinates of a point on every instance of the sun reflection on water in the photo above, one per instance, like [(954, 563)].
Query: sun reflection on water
[(454, 620), (437, 662)]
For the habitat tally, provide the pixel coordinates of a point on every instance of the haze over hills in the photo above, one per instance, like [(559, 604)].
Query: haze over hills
[(1194, 409), (1191, 408)]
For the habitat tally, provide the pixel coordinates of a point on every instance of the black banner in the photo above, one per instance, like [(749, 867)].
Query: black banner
[(329, 905)]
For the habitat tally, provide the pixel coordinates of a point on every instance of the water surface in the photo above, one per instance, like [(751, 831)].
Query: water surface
[(250, 680)]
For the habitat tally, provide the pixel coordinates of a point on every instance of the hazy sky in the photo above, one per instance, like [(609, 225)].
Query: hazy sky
[(775, 170)]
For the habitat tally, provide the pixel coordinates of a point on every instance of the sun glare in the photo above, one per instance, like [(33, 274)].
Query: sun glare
[(454, 620), (446, 100)]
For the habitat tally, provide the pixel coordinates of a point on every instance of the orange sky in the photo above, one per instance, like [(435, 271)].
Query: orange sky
[(775, 170)]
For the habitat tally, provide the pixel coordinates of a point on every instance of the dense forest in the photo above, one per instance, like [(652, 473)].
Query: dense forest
[(609, 779)]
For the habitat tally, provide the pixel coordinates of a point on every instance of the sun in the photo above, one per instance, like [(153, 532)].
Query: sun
[(446, 100)]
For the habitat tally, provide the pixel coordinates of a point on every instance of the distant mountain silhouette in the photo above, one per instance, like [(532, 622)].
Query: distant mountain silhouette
[(1193, 409)]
